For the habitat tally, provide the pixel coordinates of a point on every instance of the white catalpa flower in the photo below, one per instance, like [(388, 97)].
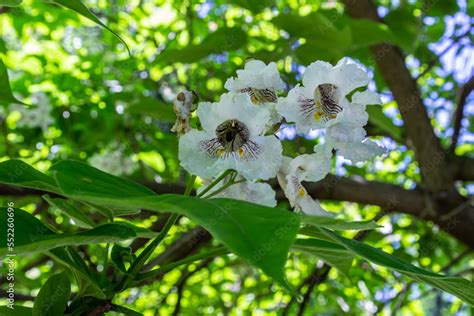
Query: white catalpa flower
[(295, 192), (254, 192), (323, 94), (114, 162), (346, 135), (260, 82), (183, 105), (38, 115), (232, 138)]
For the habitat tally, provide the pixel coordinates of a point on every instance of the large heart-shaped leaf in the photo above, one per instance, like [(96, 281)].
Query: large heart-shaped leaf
[(259, 234)]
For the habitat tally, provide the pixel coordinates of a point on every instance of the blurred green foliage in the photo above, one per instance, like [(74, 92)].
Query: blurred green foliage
[(103, 98)]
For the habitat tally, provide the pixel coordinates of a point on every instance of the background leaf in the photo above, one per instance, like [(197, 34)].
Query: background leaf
[(79, 7), (53, 297)]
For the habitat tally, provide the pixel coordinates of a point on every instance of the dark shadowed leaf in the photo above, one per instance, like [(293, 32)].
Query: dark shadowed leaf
[(379, 119), (53, 297), (223, 40), (333, 254), (31, 235), (460, 287), (337, 224)]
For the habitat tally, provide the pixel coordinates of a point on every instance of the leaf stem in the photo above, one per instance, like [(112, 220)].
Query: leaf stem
[(215, 182), (211, 253), (148, 251), (225, 186)]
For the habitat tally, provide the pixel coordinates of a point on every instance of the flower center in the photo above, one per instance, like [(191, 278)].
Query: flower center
[(232, 135), (259, 96), (325, 102)]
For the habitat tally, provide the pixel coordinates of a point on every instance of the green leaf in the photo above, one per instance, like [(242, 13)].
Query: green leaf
[(222, 40), (6, 95), (379, 119), (252, 5), (367, 32), (17, 172), (317, 28), (152, 106), (16, 311), (86, 278), (78, 179), (443, 8), (333, 254), (259, 234), (404, 26), (68, 209), (10, 3), (119, 255), (53, 297), (31, 235), (460, 287), (337, 224), (79, 7)]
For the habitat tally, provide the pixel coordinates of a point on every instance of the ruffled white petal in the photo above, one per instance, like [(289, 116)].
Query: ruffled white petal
[(309, 206), (366, 97), (233, 106), (194, 158), (256, 74), (360, 152), (348, 76), (259, 193), (267, 162), (316, 74), (290, 109), (341, 133), (311, 167)]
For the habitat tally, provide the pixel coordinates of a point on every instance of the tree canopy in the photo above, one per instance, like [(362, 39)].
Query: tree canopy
[(100, 217)]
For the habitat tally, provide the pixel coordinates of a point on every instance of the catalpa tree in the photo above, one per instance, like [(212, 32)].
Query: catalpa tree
[(236, 157)]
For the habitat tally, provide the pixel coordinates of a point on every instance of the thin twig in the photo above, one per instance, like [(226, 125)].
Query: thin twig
[(464, 92)]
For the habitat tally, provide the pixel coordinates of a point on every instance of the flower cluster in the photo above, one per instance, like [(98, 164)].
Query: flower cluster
[(237, 132)]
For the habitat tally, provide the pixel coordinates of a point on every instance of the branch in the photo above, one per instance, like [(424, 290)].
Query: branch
[(317, 276), (436, 59), (464, 92), (423, 140)]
